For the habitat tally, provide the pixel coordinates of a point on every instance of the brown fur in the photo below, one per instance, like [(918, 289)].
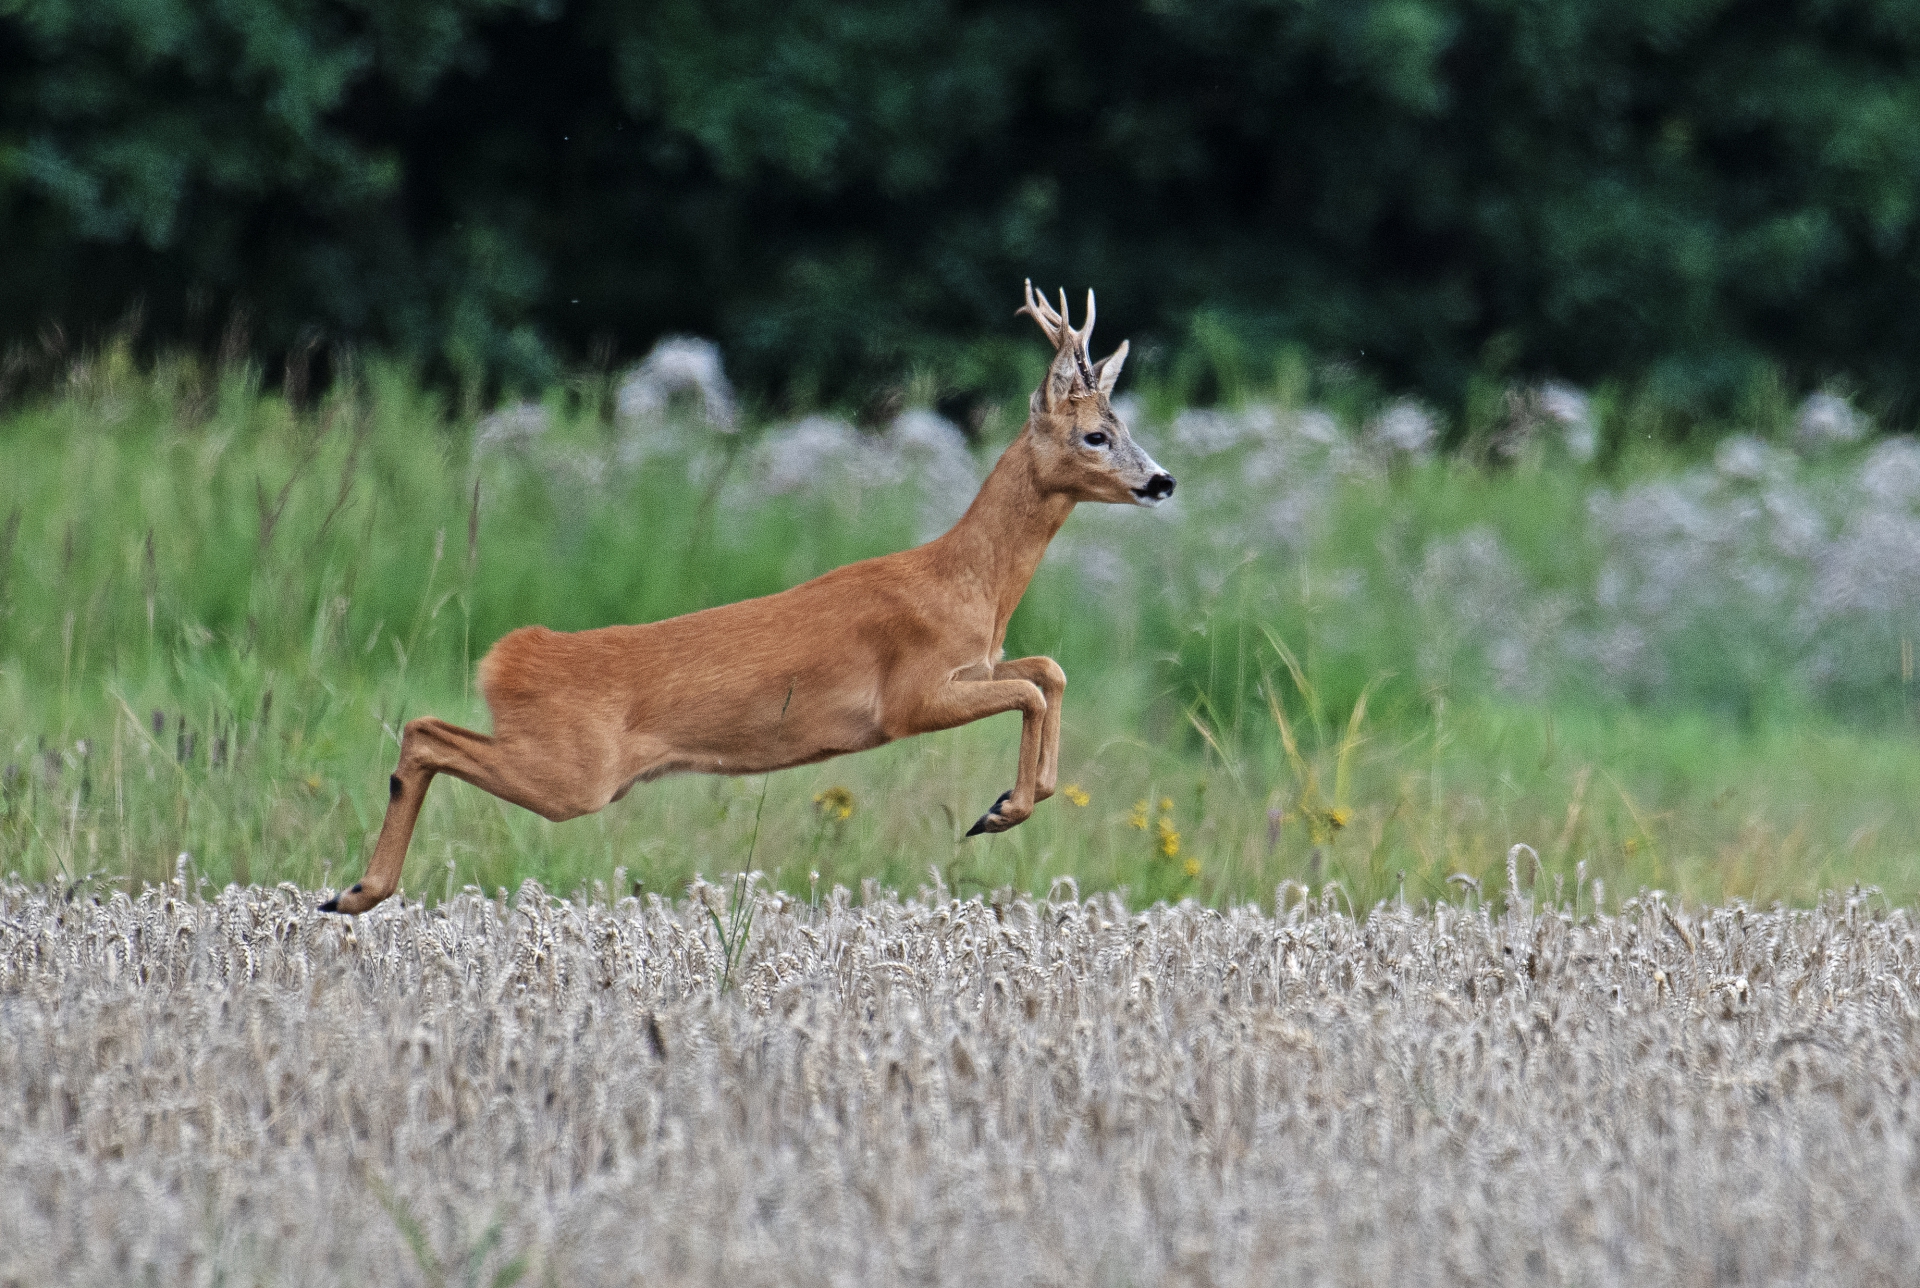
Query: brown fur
[(904, 644)]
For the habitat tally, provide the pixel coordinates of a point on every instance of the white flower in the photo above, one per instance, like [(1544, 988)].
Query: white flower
[(1203, 432), (510, 428), (1873, 567), (1745, 459), (821, 453), (1798, 527), (932, 452), (1572, 412), (1826, 421), (520, 430), (1295, 515), (826, 456), (1890, 476), (1474, 598), (1406, 428), (678, 364), (1318, 427)]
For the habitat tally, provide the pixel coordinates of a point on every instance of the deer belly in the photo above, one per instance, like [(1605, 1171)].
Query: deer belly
[(721, 736), (818, 731)]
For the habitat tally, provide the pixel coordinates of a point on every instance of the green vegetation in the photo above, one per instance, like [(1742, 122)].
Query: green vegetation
[(1328, 661), (1676, 192)]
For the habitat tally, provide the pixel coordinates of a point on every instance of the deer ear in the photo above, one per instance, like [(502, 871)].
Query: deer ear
[(1062, 382), (1107, 373)]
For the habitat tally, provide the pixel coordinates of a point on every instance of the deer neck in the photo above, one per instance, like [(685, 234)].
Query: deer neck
[(1000, 540)]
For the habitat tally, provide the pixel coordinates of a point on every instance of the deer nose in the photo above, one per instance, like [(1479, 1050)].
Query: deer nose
[(1158, 488)]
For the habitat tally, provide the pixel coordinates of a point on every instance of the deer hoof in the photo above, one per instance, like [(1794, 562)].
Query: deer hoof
[(356, 902), (993, 820)]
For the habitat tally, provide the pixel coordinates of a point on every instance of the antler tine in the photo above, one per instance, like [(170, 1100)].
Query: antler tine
[(1077, 340), (1034, 302), (1086, 328), (1037, 308)]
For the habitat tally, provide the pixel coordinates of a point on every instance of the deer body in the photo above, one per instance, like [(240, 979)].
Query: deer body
[(838, 664), (883, 649)]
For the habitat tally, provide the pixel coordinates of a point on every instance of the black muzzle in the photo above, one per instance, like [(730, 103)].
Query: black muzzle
[(1158, 488)]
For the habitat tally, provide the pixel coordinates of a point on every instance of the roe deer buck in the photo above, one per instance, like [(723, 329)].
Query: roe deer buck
[(904, 644)]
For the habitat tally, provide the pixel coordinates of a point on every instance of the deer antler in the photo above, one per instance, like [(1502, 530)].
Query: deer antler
[(1040, 311), (1060, 330)]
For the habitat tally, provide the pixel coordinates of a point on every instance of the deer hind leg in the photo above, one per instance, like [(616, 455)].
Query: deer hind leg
[(428, 747)]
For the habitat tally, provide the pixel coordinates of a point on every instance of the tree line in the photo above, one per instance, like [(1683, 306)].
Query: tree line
[(1682, 192)]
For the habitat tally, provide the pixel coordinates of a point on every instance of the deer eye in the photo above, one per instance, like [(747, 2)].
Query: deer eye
[(1097, 438)]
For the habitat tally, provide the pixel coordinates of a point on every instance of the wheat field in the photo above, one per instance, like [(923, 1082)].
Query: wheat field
[(239, 1090)]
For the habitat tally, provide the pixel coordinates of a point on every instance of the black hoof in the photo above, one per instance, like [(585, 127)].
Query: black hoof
[(333, 904), (991, 821)]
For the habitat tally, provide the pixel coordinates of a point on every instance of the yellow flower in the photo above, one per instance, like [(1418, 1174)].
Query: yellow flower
[(1166, 804), (1169, 839), (1192, 868), (1339, 818), (1630, 845), (836, 803), (1138, 818), (1075, 796)]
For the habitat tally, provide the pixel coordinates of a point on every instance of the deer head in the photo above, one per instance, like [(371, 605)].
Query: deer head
[(1080, 447)]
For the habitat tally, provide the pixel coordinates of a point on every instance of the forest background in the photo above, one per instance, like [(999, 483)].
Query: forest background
[(1683, 192)]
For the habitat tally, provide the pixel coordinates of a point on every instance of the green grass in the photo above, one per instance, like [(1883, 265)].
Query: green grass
[(216, 613)]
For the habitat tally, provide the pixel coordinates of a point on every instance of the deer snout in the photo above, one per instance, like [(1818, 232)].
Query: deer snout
[(1157, 489)]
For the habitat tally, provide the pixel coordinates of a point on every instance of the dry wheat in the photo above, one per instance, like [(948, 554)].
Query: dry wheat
[(931, 1091)]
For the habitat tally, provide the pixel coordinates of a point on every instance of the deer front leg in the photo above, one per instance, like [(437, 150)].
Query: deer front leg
[(1044, 673), (958, 702)]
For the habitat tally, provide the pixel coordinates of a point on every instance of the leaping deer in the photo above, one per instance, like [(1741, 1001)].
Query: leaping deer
[(886, 648)]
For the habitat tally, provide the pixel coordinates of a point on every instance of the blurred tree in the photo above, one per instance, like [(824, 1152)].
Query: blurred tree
[(839, 190)]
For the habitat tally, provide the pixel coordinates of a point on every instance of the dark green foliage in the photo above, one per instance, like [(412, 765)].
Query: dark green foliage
[(1672, 191)]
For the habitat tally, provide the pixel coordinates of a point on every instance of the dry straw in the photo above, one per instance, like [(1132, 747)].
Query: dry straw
[(244, 1091)]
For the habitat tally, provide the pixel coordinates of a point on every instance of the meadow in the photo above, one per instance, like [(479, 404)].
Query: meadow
[(1340, 658)]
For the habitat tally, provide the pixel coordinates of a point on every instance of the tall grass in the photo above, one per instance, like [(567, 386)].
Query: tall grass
[(1335, 659)]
